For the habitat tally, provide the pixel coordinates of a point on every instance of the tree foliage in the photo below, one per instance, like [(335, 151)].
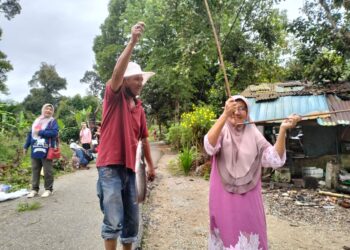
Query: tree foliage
[(323, 32), (9, 8), (178, 45), (96, 85), (5, 67), (45, 86)]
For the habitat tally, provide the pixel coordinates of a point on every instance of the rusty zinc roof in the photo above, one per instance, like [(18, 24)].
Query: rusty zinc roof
[(272, 91), (334, 104)]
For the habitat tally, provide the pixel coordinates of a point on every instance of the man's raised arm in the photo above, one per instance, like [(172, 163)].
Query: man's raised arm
[(119, 69)]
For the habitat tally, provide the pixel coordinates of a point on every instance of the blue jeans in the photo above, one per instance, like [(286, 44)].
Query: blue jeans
[(118, 201)]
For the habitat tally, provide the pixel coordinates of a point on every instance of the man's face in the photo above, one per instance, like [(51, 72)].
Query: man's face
[(134, 84)]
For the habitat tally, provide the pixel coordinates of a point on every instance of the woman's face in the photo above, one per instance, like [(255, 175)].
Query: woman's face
[(48, 111), (241, 113)]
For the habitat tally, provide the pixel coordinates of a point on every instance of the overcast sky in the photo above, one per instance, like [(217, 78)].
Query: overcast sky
[(61, 33)]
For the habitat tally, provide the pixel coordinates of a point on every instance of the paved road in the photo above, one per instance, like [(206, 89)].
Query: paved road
[(70, 219)]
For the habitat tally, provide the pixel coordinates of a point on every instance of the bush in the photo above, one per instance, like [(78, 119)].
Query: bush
[(68, 133), (199, 121), (179, 136)]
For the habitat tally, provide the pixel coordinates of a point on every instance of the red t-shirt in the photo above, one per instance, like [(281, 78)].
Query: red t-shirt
[(121, 128)]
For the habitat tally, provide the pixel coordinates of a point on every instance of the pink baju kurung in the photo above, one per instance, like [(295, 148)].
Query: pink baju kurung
[(237, 221)]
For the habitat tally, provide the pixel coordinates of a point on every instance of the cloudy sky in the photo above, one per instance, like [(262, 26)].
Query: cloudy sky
[(61, 33)]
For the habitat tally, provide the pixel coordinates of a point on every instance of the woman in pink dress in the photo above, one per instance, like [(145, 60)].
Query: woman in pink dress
[(237, 217)]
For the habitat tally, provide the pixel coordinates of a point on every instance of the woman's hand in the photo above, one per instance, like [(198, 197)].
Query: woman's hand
[(230, 107), (290, 122)]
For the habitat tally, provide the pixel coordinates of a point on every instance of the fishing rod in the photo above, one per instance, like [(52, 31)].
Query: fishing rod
[(303, 117), (227, 85)]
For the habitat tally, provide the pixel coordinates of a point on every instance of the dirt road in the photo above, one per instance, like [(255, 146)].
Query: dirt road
[(68, 220), (175, 216)]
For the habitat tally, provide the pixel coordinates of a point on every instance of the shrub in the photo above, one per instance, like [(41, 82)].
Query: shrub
[(179, 136), (68, 133), (199, 121)]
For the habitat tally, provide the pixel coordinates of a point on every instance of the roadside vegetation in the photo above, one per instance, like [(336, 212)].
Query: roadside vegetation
[(259, 45)]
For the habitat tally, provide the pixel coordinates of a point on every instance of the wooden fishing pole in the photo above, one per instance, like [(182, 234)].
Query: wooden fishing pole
[(303, 117), (227, 85)]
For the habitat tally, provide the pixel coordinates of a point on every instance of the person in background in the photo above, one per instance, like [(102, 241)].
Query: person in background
[(81, 156), (238, 150), (85, 136), (123, 126), (96, 137), (42, 136)]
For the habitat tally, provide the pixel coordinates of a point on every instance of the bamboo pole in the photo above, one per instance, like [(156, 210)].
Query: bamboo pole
[(227, 85), (303, 117), (334, 194)]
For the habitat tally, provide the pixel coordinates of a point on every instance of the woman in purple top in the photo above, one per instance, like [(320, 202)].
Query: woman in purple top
[(237, 218)]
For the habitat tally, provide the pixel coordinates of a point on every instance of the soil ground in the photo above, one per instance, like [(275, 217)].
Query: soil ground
[(176, 217)]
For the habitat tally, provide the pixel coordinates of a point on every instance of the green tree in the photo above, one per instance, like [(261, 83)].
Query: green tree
[(9, 8), (96, 85), (322, 33), (112, 39), (178, 45), (5, 67), (45, 86)]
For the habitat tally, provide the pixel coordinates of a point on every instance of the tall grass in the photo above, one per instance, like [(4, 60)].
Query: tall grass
[(186, 158)]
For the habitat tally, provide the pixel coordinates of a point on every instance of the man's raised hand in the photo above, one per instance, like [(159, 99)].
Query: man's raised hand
[(136, 31)]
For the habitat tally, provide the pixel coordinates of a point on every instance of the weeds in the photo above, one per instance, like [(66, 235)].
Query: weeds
[(26, 206)]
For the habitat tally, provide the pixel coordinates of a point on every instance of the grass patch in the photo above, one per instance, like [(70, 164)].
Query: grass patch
[(174, 168), (27, 206), (186, 158)]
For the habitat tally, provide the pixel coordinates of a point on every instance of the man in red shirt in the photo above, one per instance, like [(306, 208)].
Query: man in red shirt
[(123, 125)]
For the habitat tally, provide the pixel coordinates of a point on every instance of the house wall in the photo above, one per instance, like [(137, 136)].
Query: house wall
[(319, 140)]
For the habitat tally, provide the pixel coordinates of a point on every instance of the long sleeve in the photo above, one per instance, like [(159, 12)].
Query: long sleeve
[(209, 148), (28, 140), (271, 158), (51, 131)]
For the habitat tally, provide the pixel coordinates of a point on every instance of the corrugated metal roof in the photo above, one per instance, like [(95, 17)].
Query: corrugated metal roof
[(334, 104), (286, 105), (271, 91)]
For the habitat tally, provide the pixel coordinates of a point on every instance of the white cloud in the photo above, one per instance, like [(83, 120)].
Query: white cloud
[(58, 32), (61, 32)]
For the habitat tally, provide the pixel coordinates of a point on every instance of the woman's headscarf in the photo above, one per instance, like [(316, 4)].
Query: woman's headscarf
[(239, 160), (41, 122), (74, 146)]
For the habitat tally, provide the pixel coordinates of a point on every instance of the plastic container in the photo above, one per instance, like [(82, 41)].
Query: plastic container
[(312, 172), (5, 188)]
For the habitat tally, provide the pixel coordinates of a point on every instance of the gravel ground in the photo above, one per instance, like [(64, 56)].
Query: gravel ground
[(176, 215)]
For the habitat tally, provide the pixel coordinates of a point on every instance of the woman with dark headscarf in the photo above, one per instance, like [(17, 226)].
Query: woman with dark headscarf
[(237, 217), (42, 136)]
